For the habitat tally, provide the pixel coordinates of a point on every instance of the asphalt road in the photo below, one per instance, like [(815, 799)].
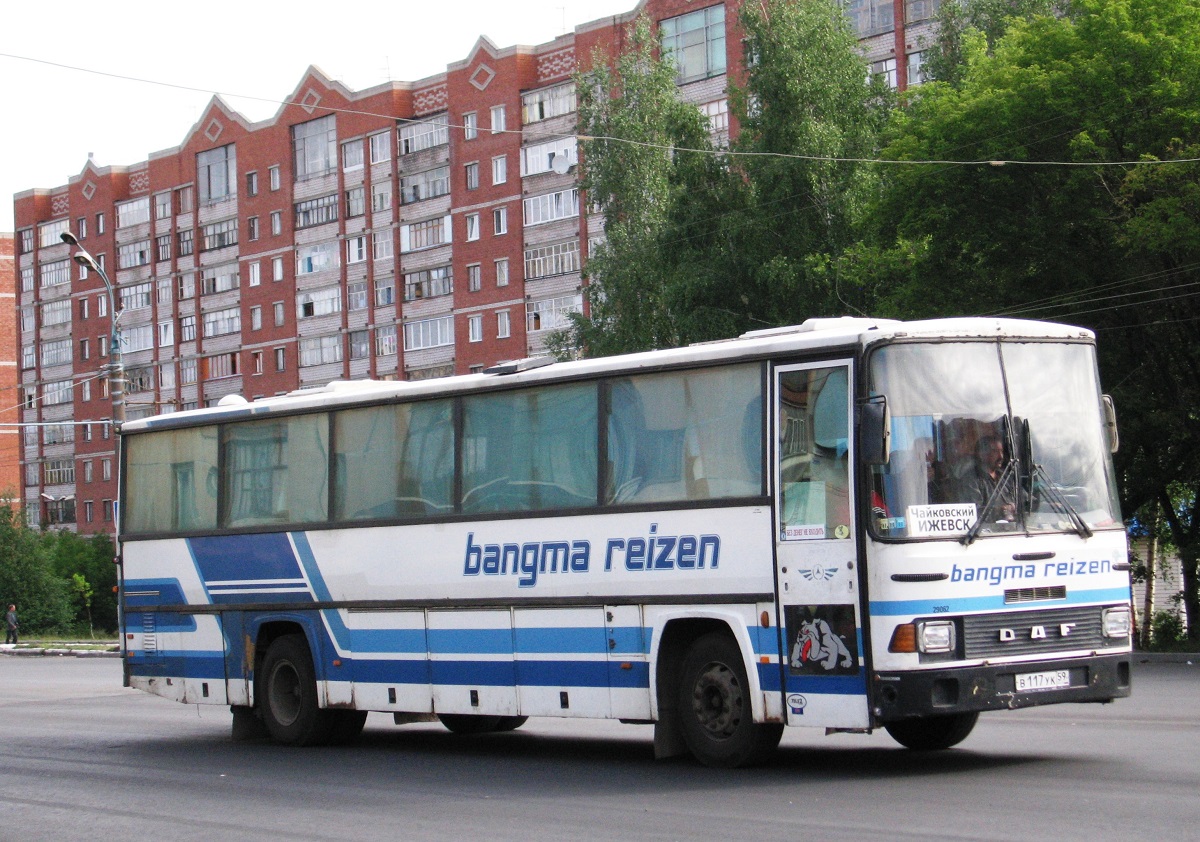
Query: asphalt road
[(83, 758)]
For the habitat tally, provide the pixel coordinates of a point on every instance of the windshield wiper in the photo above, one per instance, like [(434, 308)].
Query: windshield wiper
[(1061, 503), (1008, 473)]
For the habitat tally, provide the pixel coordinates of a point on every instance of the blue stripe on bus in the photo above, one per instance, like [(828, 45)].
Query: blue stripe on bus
[(164, 622), (769, 675), (900, 607), (176, 664), (227, 558)]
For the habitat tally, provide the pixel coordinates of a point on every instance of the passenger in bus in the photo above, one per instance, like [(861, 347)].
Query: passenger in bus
[(977, 487)]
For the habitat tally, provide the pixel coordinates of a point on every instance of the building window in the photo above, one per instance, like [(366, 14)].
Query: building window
[(312, 212), (424, 134), (475, 328), (381, 245), (886, 70), (163, 296), (256, 362), (254, 273), (136, 296), (360, 344), (222, 322), (129, 255), (717, 115), (356, 202), (472, 175), (429, 333), (551, 313), (553, 259), (163, 247), (187, 191), (356, 249), (499, 169), (470, 124), (385, 292), (187, 328), (426, 234), (916, 68), (280, 359), (356, 295), (870, 17), (428, 283), (425, 185), (58, 272), (220, 235), (273, 177), (276, 222), (314, 145), (162, 207), (352, 155), (322, 302), (256, 317), (474, 275), (500, 221), (87, 470), (696, 43), (551, 206), (381, 196), (472, 220), (279, 313), (187, 371), (547, 103), (252, 184), (185, 241), (215, 173), (320, 350), (221, 365), (133, 212), (498, 121), (252, 228), (50, 233), (166, 334), (26, 241), (219, 279), (276, 268), (316, 257), (503, 325), (385, 340), (381, 147)]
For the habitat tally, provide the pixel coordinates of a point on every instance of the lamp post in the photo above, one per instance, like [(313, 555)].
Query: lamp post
[(116, 390), (116, 366)]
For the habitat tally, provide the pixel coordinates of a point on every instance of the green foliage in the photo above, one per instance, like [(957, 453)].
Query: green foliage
[(1166, 630), (59, 581)]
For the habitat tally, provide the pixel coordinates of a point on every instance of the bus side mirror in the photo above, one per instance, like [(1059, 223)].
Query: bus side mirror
[(875, 430), (1110, 423)]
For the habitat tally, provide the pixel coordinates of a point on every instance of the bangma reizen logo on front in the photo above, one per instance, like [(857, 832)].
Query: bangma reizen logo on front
[(531, 559)]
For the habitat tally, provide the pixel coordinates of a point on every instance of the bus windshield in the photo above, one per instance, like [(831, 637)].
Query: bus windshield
[(990, 438)]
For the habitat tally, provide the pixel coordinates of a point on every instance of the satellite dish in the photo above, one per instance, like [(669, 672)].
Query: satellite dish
[(560, 163)]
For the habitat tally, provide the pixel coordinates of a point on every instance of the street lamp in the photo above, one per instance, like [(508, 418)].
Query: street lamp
[(116, 366), (116, 385)]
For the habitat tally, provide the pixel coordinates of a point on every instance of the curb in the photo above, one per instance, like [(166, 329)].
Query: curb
[(1167, 657), (40, 652)]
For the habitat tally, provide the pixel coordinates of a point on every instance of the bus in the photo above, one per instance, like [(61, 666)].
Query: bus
[(849, 524)]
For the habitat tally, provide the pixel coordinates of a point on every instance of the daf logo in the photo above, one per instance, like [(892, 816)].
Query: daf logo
[(1036, 632)]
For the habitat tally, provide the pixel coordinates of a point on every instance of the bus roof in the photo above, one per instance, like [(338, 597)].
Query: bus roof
[(814, 335)]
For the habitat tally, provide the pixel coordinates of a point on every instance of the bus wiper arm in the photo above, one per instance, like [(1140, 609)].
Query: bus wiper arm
[(1062, 503), (973, 533)]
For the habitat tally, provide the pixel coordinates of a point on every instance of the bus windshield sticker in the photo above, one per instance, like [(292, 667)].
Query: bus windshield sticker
[(940, 521)]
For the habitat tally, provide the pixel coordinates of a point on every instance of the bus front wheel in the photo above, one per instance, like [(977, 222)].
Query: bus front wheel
[(932, 733), (288, 694), (715, 706)]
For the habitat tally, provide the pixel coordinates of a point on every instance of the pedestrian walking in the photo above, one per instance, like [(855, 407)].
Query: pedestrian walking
[(10, 623)]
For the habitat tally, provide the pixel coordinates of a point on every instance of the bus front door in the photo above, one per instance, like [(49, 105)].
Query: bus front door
[(820, 611)]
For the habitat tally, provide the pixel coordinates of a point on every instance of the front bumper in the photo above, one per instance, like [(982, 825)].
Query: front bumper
[(901, 695)]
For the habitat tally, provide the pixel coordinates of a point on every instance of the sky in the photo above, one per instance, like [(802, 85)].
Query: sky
[(63, 99)]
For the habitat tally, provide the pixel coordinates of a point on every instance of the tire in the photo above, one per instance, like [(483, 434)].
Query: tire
[(287, 694), (932, 733), (471, 723), (714, 706)]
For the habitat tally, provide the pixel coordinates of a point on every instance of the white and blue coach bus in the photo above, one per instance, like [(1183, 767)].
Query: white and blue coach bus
[(849, 524)]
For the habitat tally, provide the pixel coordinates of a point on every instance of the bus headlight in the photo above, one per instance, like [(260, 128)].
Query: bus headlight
[(1116, 622), (935, 636)]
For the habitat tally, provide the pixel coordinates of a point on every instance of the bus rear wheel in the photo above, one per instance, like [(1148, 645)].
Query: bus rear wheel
[(288, 694), (933, 733), (715, 708)]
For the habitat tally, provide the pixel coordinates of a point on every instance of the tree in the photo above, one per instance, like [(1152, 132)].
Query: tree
[(635, 131), (26, 578), (967, 28), (91, 557), (1071, 228)]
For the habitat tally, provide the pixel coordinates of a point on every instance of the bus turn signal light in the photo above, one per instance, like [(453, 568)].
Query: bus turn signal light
[(904, 639)]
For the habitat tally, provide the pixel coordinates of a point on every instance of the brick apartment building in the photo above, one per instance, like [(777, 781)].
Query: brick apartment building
[(10, 447), (409, 230)]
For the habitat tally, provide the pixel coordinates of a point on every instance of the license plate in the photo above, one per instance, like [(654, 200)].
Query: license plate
[(1032, 682)]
